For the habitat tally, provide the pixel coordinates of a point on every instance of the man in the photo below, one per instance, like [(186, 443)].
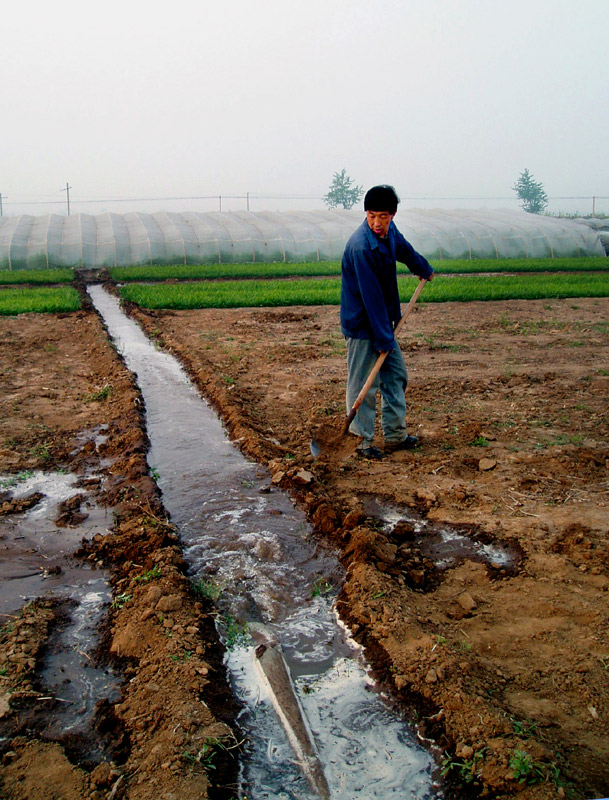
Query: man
[(369, 312)]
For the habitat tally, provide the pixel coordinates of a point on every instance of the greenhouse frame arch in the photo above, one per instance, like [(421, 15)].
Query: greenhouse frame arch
[(108, 240)]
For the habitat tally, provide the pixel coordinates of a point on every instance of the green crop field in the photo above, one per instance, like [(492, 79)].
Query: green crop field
[(42, 299), (328, 268), (218, 271), (318, 283), (511, 265), (35, 276), (514, 287), (235, 294)]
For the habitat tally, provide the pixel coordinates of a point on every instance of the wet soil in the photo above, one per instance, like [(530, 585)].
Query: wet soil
[(504, 663), (62, 382)]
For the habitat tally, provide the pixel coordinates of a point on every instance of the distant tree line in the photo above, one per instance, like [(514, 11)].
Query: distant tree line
[(344, 192)]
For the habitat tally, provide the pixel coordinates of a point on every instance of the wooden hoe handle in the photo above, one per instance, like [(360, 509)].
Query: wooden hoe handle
[(379, 361)]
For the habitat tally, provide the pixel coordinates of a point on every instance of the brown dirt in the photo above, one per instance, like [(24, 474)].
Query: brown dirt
[(510, 403), (175, 696)]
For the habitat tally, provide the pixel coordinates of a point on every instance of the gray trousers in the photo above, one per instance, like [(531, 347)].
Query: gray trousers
[(391, 381)]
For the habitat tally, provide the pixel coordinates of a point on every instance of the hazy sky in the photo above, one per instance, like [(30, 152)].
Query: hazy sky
[(442, 98)]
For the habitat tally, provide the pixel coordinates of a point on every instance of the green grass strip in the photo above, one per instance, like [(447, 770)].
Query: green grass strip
[(511, 287), (215, 271), (313, 268), (583, 264), (236, 294), (36, 276), (43, 299)]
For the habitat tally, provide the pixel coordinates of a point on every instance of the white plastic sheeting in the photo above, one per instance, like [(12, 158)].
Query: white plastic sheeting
[(107, 240)]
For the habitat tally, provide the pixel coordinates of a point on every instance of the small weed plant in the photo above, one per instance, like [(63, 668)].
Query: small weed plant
[(13, 480), (467, 770), (120, 600), (42, 452), (205, 756), (322, 587), (208, 589), (236, 633), (101, 395), (524, 729), (149, 575), (181, 658), (530, 772)]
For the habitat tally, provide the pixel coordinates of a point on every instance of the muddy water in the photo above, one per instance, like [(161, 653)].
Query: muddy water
[(444, 546), (248, 544), (36, 561)]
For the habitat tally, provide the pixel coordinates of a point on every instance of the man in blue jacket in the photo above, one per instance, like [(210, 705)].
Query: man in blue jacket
[(369, 312)]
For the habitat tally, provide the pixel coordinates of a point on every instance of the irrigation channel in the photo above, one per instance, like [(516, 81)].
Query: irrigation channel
[(314, 722)]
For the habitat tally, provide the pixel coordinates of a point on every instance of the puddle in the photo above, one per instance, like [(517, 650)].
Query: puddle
[(36, 554), (442, 545), (252, 545), (36, 561)]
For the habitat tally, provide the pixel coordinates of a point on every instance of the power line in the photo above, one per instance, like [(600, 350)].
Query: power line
[(219, 197), (250, 196)]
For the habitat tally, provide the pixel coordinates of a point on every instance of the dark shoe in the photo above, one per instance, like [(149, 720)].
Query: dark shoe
[(370, 451), (406, 444)]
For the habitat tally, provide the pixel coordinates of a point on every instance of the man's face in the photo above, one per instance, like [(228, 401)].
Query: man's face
[(379, 221)]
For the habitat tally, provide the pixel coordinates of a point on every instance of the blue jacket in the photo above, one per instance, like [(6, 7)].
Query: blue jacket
[(369, 299)]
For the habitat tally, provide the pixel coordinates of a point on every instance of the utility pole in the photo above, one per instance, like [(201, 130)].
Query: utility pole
[(67, 191), (247, 196), (0, 204)]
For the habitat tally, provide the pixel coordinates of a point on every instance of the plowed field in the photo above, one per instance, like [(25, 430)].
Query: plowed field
[(503, 663)]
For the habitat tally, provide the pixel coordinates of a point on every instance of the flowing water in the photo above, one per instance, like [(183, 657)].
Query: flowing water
[(248, 541)]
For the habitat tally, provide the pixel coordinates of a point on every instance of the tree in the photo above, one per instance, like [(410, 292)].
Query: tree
[(343, 191), (531, 192)]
